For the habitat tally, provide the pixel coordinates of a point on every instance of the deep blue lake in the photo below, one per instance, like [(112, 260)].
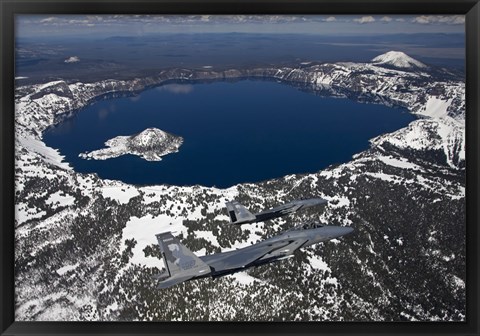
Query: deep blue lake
[(245, 131)]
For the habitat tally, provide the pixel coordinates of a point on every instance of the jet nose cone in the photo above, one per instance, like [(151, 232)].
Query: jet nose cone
[(319, 200)]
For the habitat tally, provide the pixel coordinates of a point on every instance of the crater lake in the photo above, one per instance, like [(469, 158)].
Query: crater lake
[(234, 132)]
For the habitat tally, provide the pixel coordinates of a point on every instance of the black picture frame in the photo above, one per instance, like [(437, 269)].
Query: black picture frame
[(10, 8)]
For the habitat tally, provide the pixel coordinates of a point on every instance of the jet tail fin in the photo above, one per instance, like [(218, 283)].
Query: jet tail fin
[(181, 263), (239, 214)]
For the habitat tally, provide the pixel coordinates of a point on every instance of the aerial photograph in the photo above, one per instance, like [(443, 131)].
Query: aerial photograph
[(289, 168)]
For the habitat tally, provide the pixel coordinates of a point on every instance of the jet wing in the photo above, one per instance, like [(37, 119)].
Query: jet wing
[(169, 282), (245, 256)]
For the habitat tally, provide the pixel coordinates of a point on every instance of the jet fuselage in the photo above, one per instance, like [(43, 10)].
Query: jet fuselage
[(240, 215), (183, 265)]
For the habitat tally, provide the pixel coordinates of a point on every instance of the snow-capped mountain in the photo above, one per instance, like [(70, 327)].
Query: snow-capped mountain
[(398, 59), (150, 144), (85, 247)]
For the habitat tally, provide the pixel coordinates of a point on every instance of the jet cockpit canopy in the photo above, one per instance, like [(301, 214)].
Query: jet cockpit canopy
[(308, 225)]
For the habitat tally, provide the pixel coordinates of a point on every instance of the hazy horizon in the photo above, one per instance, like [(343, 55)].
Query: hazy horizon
[(143, 25)]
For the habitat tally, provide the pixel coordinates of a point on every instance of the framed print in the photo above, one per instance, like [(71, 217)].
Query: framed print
[(222, 167)]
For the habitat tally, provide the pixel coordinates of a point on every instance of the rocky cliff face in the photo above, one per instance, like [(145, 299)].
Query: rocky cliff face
[(88, 245)]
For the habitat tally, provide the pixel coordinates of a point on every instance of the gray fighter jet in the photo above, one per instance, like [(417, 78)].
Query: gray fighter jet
[(240, 215), (183, 265)]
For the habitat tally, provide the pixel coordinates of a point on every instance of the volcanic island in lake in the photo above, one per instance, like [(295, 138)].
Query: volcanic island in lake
[(150, 144)]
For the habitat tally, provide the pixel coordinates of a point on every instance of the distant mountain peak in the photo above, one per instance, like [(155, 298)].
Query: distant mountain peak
[(398, 59)]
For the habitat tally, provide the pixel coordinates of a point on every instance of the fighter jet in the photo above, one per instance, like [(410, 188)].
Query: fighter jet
[(240, 215), (183, 265)]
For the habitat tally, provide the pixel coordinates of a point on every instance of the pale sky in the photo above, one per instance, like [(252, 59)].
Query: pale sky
[(137, 25)]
